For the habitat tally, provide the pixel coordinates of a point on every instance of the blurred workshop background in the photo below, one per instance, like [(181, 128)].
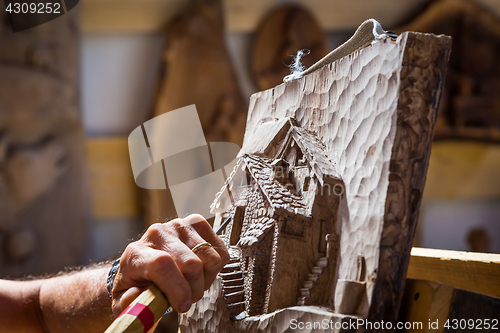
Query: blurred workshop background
[(122, 54), (73, 89)]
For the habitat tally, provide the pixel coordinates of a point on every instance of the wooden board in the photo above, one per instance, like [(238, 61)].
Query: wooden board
[(114, 193), (478, 272), (430, 306)]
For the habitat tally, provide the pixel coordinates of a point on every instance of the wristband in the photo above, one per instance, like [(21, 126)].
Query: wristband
[(111, 276)]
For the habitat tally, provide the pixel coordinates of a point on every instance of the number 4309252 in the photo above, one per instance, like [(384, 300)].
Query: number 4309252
[(34, 8)]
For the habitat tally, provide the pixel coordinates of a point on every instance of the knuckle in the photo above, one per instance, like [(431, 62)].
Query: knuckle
[(196, 219), (162, 263), (192, 267), (176, 224), (131, 254), (131, 249), (154, 231)]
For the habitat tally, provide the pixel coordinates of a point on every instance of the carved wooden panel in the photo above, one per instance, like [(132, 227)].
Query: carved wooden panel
[(362, 128)]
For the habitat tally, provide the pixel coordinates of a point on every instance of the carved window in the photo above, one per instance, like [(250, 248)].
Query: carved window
[(322, 236), (305, 187), (284, 174), (293, 227), (237, 224)]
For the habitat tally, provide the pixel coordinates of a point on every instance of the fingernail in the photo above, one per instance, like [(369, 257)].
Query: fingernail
[(186, 306)]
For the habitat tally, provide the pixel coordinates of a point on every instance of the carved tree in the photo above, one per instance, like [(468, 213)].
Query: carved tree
[(373, 112), (43, 185)]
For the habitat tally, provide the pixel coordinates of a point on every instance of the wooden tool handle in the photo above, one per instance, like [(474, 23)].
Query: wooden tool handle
[(143, 314)]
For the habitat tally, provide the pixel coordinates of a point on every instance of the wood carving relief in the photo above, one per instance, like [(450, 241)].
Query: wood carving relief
[(471, 104), (330, 237), (43, 191), (280, 221)]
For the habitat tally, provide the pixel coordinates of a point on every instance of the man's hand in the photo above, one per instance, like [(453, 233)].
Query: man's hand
[(163, 257)]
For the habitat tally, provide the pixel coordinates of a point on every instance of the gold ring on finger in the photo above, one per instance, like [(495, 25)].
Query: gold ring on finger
[(201, 246)]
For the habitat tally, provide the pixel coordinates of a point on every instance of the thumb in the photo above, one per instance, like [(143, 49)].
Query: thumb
[(123, 300)]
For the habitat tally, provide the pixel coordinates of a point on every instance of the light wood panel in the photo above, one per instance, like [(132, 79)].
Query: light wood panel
[(425, 302), (114, 193), (463, 170), (478, 272)]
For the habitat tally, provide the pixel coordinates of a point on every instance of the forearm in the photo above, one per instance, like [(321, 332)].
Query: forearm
[(19, 304), (77, 302)]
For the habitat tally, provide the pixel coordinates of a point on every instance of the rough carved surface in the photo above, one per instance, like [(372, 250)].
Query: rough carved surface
[(353, 110), (374, 112), (422, 76), (43, 191)]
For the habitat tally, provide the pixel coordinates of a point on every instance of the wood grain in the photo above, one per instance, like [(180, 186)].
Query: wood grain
[(425, 301), (153, 299), (422, 80), (432, 305), (478, 272)]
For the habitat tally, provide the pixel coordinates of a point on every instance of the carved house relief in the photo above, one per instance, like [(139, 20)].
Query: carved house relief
[(282, 198)]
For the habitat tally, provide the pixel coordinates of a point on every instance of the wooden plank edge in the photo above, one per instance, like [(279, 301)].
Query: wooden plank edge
[(477, 272)]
